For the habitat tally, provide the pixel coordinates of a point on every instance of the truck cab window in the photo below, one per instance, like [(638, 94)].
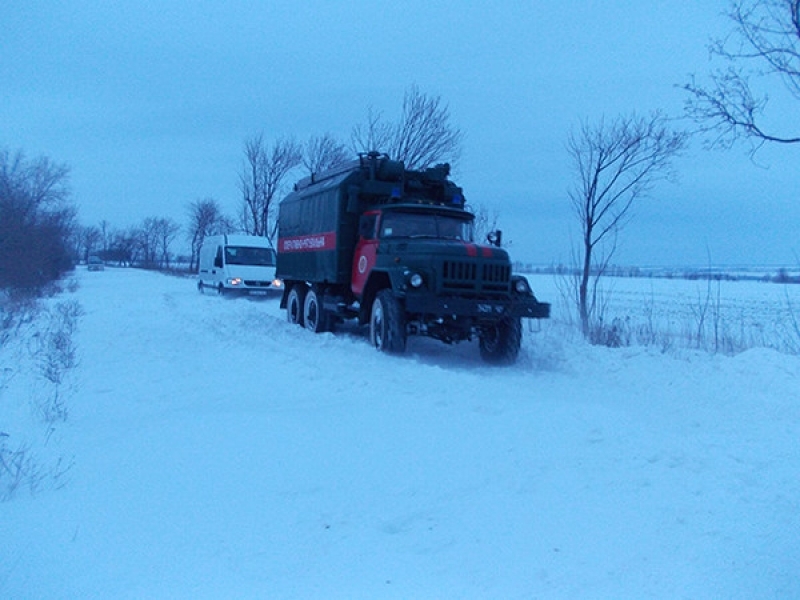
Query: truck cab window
[(407, 225), (454, 229), (366, 226), (415, 225)]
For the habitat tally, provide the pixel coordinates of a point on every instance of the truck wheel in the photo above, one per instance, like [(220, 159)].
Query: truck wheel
[(200, 287), (387, 328), (294, 305), (315, 316), (500, 343)]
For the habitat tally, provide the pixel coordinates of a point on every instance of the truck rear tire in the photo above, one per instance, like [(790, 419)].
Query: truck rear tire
[(294, 305), (387, 327), (315, 316), (500, 343)]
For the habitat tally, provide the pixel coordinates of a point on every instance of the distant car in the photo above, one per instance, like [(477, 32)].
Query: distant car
[(94, 263)]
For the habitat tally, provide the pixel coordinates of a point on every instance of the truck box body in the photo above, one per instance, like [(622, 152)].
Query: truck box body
[(313, 224)]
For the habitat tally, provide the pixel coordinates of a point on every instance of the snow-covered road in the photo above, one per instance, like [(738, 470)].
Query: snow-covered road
[(218, 451)]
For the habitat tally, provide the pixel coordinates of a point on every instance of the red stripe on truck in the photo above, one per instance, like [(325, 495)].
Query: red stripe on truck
[(473, 249), (314, 242)]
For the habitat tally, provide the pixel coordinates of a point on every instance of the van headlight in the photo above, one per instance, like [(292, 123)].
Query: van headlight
[(235, 281), (415, 279)]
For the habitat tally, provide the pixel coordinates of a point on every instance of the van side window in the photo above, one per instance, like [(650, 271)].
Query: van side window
[(218, 258)]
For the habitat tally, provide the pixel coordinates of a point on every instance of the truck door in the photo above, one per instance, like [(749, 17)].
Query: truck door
[(366, 249)]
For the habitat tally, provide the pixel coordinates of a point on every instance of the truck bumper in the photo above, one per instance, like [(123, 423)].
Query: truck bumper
[(484, 309)]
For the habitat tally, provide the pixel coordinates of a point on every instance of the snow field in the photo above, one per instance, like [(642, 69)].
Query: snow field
[(218, 451)]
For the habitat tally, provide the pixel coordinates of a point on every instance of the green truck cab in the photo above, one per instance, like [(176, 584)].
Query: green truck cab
[(394, 248)]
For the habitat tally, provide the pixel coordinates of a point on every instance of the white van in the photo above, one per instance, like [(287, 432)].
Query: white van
[(237, 263)]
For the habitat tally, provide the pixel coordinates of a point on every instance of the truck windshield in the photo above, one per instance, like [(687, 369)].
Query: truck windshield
[(248, 255), (419, 225)]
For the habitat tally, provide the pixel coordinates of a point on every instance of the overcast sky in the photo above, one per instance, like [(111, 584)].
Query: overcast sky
[(149, 103)]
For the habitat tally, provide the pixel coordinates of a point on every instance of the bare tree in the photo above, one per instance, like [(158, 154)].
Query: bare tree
[(146, 240), (37, 222), (166, 231), (485, 222), (261, 178), (374, 135), (91, 238), (422, 137), (615, 164), (153, 240), (324, 152), (251, 182), (37, 183), (766, 35), (123, 247), (105, 232), (205, 219)]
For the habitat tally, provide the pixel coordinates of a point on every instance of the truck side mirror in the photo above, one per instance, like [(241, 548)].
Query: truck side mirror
[(495, 238)]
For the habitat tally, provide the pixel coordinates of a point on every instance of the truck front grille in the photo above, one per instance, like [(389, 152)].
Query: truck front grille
[(472, 277)]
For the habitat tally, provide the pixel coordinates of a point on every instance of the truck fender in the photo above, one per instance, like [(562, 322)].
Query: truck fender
[(377, 281)]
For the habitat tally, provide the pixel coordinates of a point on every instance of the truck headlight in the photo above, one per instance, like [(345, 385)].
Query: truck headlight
[(522, 287), (415, 280)]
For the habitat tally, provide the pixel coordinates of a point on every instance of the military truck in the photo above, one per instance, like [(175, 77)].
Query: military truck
[(394, 249)]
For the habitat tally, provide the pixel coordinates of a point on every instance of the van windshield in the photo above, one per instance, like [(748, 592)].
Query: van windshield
[(247, 255)]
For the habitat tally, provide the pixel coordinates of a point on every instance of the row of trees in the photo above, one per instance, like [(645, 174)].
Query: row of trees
[(422, 136), (147, 245), (40, 238)]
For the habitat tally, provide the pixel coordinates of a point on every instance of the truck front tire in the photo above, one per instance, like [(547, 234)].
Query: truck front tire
[(294, 305), (500, 343), (387, 328)]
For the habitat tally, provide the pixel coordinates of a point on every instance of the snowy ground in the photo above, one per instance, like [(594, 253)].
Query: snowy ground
[(211, 450)]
